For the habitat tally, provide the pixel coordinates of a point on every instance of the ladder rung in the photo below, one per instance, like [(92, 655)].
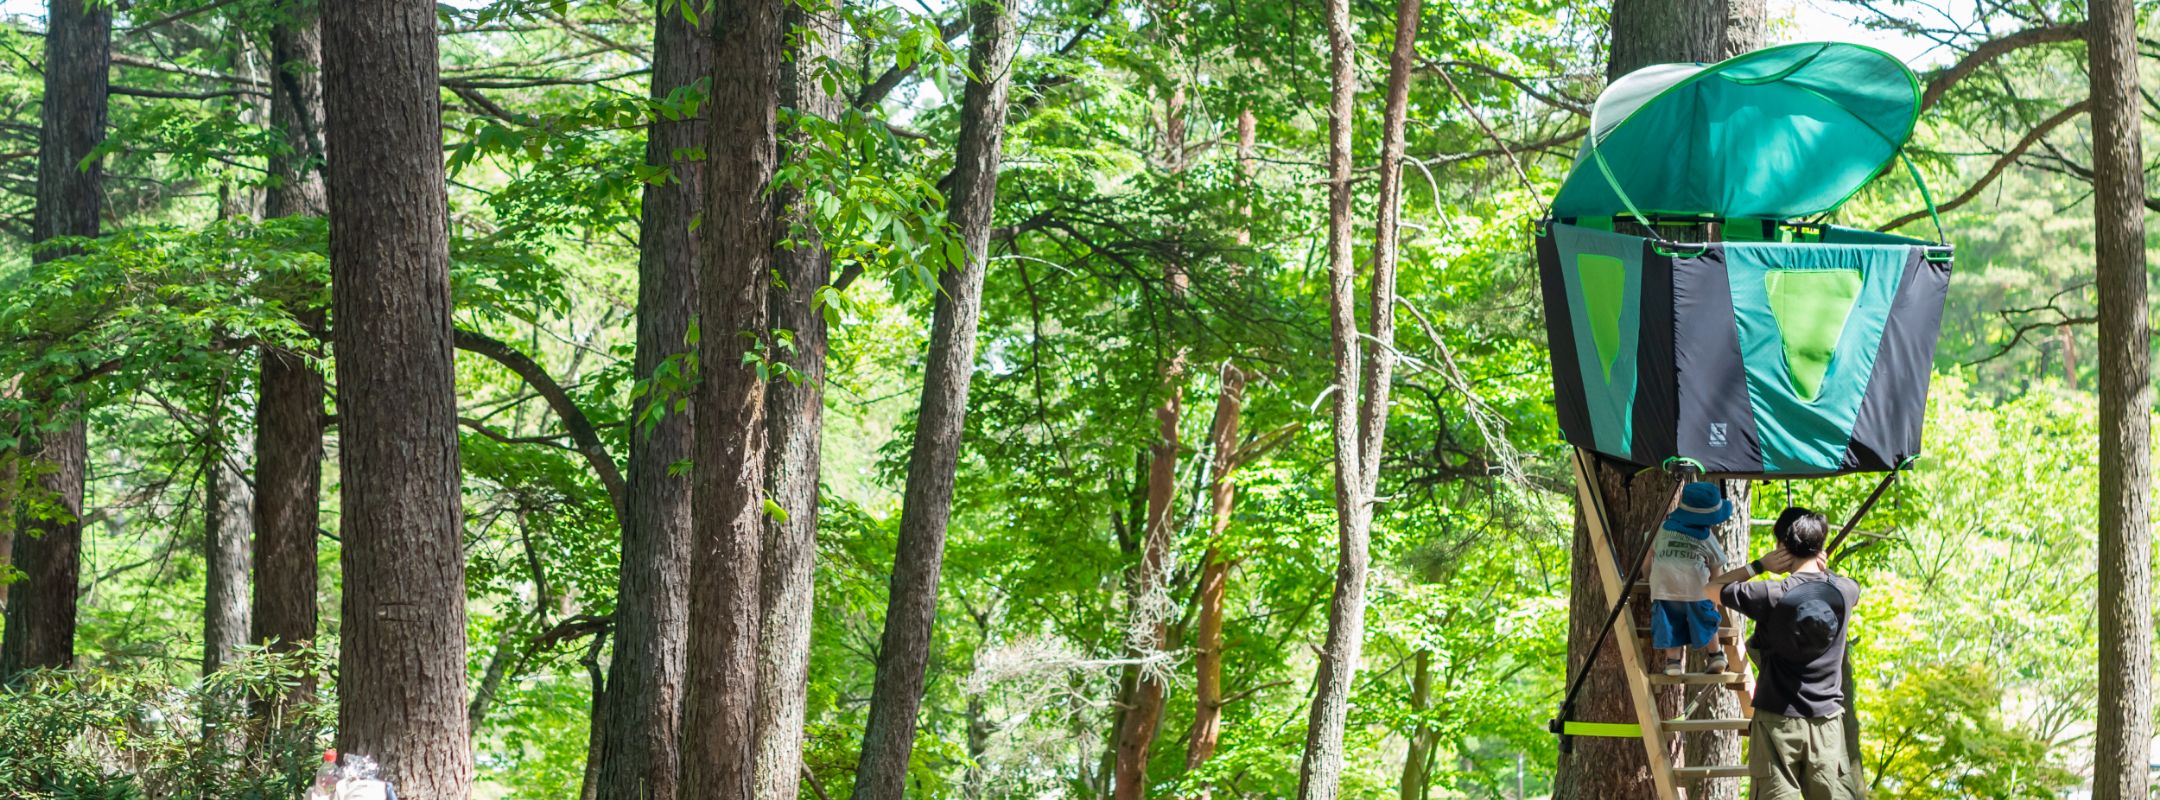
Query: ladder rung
[(1692, 725), (1696, 678), (1723, 633), (1718, 771)]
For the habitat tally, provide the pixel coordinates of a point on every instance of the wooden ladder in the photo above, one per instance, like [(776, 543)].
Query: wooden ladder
[(1632, 639)]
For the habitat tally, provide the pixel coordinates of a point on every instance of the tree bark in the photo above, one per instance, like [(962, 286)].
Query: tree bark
[(289, 393), (795, 432), (9, 476), (1215, 573), (40, 629), (640, 759), (1360, 421), (227, 523), (401, 677), (2124, 741), (926, 505), (736, 261), (1417, 759), (1603, 767), (1713, 748), (1151, 609), (1646, 32)]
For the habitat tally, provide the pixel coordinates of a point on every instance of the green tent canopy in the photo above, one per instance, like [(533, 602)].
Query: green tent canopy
[(1776, 348), (1778, 133)]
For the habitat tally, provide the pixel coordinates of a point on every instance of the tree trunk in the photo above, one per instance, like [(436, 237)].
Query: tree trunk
[(1153, 608), (1646, 32), (227, 504), (289, 393), (1603, 767), (1215, 573), (1713, 748), (9, 475), (1417, 759), (642, 707), (794, 426), (401, 662), (1360, 422), (926, 507), (719, 752), (40, 629), (2124, 741)]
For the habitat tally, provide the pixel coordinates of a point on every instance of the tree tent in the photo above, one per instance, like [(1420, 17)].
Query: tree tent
[(1781, 347)]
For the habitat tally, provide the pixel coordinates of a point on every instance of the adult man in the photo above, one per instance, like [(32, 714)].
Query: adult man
[(1796, 743)]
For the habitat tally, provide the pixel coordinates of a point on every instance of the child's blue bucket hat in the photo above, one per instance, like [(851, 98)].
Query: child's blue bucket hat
[(1701, 504)]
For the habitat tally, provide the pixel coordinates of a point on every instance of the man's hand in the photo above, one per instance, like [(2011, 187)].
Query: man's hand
[(1778, 561)]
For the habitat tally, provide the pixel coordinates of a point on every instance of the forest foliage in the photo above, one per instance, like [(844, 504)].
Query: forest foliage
[(1979, 586)]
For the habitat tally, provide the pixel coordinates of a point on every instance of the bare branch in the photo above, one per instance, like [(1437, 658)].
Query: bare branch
[(1940, 81), (573, 418), (1996, 170)]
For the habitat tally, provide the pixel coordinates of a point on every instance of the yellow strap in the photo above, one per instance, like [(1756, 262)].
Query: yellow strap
[(1609, 729)]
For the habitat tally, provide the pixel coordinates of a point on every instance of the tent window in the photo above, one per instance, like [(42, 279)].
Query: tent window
[(1810, 307)]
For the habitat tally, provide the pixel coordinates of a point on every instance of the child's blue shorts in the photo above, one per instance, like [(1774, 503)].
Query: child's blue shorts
[(1674, 623)]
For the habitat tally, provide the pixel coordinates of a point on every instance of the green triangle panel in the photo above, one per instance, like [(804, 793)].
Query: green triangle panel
[(1811, 307), (1604, 282)]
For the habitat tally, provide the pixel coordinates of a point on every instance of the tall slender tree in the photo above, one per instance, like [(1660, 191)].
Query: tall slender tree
[(227, 503), (289, 390), (795, 429), (1360, 421), (1215, 570), (642, 707), (70, 197), (735, 269), (926, 506), (401, 660), (1151, 607), (2123, 747)]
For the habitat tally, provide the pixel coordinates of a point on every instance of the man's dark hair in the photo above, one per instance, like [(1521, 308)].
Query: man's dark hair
[(1801, 532)]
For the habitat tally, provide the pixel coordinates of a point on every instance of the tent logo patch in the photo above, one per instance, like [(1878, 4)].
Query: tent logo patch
[(1717, 434)]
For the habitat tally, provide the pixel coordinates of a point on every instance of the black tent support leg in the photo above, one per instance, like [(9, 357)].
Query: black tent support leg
[(1865, 506), (1633, 569)]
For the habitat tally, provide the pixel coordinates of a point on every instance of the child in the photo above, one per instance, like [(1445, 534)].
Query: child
[(1684, 558)]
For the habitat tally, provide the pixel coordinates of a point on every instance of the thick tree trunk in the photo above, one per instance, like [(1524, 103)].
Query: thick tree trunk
[(401, 662), (1215, 572), (1646, 32), (640, 759), (289, 394), (795, 427), (1603, 767), (1713, 748), (736, 260), (40, 629), (926, 507), (2122, 748), (227, 520), (1360, 421)]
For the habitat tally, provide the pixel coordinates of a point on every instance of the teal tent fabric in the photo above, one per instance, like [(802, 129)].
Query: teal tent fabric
[(1779, 133), (1804, 431), (1603, 275)]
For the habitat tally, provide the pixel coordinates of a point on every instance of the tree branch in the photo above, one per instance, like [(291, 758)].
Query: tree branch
[(1940, 81), (573, 418), (1995, 170)]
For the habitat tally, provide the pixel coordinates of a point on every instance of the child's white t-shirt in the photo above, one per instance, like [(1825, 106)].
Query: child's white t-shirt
[(1681, 565)]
